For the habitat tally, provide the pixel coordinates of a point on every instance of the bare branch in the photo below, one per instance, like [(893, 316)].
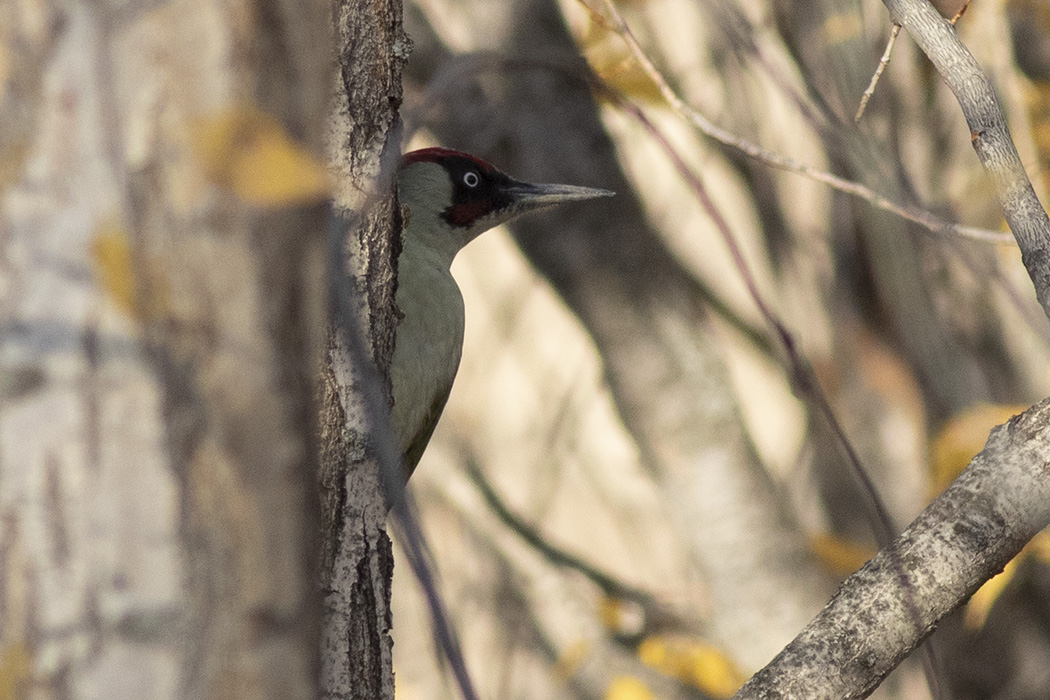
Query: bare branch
[(914, 214), (961, 540), (989, 134), (883, 62)]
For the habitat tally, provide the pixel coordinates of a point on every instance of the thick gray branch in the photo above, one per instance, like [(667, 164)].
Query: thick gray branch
[(962, 539), (988, 132), (966, 536)]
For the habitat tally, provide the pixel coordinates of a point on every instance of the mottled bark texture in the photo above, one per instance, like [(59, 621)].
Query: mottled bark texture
[(962, 539), (363, 145), (161, 321)]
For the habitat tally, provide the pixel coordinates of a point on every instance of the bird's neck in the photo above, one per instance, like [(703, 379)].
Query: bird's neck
[(425, 191)]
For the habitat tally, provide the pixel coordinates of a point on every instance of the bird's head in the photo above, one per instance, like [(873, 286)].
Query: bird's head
[(453, 197)]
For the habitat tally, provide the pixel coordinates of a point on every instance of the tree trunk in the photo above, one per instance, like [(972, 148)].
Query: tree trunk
[(364, 141), (160, 244)]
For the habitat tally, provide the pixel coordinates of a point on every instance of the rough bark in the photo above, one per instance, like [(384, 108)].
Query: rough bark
[(160, 326), (885, 610), (363, 145)]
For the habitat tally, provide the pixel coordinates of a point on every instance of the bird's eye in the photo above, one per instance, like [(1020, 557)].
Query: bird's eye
[(471, 179)]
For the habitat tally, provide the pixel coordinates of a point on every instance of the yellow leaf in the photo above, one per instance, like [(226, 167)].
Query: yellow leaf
[(250, 153), (5, 63), (116, 272), (692, 661), (621, 617), (571, 659), (843, 27), (624, 75), (113, 266), (15, 669), (628, 688), (980, 604), (1039, 547), (838, 556), (12, 159), (962, 437), (613, 62)]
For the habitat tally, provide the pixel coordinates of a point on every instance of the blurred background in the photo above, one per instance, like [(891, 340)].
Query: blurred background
[(632, 493)]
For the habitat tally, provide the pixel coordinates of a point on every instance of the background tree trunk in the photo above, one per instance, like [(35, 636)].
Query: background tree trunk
[(160, 329)]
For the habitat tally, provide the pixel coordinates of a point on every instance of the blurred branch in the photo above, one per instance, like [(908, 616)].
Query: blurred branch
[(989, 133), (444, 634), (962, 539), (587, 667), (556, 555), (654, 613), (802, 376), (914, 214), (960, 12)]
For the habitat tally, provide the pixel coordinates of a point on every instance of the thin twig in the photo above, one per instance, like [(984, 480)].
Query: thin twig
[(609, 585), (895, 31), (914, 214), (883, 62), (989, 134)]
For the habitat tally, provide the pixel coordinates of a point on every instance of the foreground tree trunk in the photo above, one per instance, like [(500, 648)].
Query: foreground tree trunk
[(161, 307), (363, 143)]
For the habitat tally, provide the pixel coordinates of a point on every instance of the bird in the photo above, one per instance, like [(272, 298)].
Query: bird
[(448, 199)]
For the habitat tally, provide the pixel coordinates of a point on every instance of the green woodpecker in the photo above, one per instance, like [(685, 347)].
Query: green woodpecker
[(451, 198)]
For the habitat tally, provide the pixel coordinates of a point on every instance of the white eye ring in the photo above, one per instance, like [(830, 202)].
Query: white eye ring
[(471, 179)]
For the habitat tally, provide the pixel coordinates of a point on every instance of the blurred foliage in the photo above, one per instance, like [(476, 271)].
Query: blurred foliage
[(961, 438), (921, 343), (116, 271), (250, 153), (15, 671), (623, 618), (839, 556), (628, 688), (612, 61), (144, 297), (692, 661)]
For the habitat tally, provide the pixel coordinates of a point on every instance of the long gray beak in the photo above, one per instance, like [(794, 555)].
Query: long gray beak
[(528, 196)]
